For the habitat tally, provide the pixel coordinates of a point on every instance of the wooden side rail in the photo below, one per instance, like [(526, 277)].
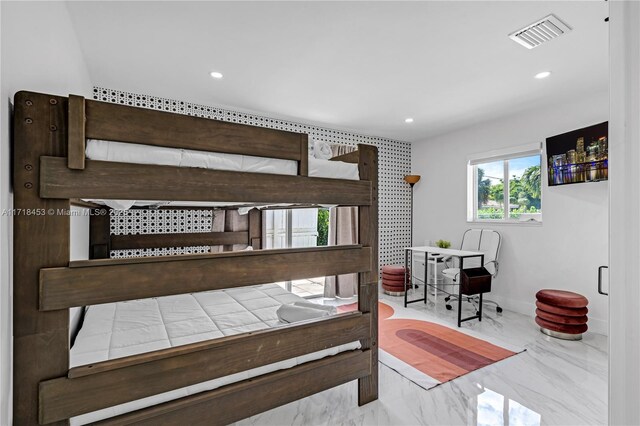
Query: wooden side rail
[(113, 122), (237, 401), (101, 242), (112, 280), (143, 241), (128, 379), (152, 182)]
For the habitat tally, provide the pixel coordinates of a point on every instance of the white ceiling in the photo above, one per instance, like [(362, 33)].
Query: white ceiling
[(361, 66)]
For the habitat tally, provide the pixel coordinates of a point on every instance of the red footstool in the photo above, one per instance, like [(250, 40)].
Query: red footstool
[(561, 314), (393, 279)]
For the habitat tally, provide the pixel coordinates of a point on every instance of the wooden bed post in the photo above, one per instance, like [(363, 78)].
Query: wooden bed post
[(76, 139), (40, 239), (100, 233), (303, 165), (368, 281), (255, 229)]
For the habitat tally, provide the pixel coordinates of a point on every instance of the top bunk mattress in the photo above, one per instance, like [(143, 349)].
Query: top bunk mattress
[(147, 154), (115, 330)]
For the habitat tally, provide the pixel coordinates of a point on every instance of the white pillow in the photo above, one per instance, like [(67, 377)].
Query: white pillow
[(311, 147), (322, 150)]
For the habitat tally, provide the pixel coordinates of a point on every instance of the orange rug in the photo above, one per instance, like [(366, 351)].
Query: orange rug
[(417, 348)]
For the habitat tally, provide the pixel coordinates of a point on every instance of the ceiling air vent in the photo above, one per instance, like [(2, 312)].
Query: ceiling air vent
[(540, 32)]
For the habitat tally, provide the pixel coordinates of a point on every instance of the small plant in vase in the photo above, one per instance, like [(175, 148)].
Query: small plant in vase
[(443, 244)]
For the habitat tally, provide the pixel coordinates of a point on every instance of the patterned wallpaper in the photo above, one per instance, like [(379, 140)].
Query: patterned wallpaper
[(167, 221), (394, 159)]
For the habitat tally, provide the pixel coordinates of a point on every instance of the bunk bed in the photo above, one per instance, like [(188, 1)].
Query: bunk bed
[(52, 172)]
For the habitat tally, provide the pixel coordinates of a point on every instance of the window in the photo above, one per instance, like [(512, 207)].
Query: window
[(290, 228), (505, 186)]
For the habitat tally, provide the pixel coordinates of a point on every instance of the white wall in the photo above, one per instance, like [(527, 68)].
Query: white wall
[(624, 337), (565, 251), (40, 52)]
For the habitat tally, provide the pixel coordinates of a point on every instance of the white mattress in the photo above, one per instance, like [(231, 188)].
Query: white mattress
[(147, 154), (121, 329)]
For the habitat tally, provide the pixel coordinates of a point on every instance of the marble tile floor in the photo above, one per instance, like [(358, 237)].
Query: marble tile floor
[(554, 382), (312, 287)]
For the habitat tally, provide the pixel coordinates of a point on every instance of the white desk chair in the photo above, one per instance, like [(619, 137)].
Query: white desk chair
[(486, 241)]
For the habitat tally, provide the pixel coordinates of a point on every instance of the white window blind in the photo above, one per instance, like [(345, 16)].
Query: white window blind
[(506, 154)]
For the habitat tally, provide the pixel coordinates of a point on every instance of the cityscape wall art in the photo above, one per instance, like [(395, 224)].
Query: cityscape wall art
[(579, 156)]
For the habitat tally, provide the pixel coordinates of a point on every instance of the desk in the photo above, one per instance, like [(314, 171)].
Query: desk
[(460, 254)]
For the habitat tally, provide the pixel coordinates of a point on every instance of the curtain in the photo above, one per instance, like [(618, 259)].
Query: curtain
[(229, 221), (343, 229), (337, 149)]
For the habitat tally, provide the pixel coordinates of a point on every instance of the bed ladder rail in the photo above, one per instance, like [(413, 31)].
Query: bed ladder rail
[(114, 122), (171, 183), (92, 282), (105, 384), (253, 396)]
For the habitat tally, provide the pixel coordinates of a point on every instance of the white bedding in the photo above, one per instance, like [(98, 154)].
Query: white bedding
[(147, 154), (121, 329)]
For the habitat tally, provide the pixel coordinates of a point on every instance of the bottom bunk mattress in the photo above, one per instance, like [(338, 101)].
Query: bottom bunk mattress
[(116, 330)]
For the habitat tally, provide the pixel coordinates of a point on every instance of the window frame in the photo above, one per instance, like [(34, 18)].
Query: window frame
[(503, 155), (288, 229)]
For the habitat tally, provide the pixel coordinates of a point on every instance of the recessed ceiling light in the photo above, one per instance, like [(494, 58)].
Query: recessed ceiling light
[(408, 120), (215, 74), (543, 74)]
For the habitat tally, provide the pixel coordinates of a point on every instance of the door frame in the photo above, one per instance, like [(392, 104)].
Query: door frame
[(624, 214)]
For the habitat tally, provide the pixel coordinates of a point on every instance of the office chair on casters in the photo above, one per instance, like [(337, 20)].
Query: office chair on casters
[(486, 241)]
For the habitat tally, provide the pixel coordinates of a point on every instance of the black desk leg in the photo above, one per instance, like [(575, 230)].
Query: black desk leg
[(480, 307), (426, 277), (460, 292), (406, 255)]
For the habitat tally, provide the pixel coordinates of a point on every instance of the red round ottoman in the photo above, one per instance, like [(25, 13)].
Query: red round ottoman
[(561, 314), (393, 269), (393, 279)]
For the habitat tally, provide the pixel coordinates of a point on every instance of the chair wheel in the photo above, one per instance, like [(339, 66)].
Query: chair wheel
[(448, 307), (446, 299), (498, 309), (478, 313)]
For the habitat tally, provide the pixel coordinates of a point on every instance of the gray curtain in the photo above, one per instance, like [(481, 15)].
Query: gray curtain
[(343, 229), (228, 221), (337, 149)]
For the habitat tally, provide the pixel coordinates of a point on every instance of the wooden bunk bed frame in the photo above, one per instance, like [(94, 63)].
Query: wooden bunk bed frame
[(50, 170), (101, 241)]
